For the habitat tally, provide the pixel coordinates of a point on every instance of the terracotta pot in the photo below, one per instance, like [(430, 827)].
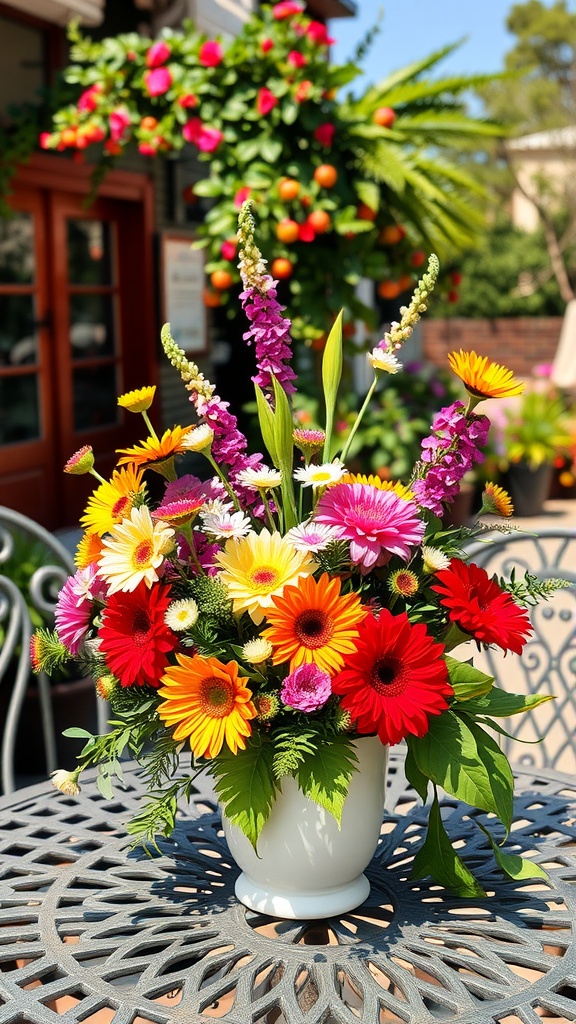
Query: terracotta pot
[(305, 867)]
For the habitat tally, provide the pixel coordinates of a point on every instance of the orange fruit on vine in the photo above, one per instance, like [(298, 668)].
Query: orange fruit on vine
[(391, 234), (326, 175), (221, 279), (405, 282), (287, 231), (148, 124), (281, 268), (418, 257), (211, 299), (384, 116), (288, 189), (389, 289), (365, 212), (319, 220)]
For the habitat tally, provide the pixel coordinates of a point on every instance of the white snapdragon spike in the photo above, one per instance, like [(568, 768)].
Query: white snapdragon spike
[(198, 439), (384, 361), (320, 476), (311, 536), (181, 615), (262, 479), (434, 559), (257, 651), (226, 524)]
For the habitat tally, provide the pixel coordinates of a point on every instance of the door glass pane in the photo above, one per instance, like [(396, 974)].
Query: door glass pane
[(95, 397), (89, 252), (19, 409), (92, 326), (18, 338), (17, 265)]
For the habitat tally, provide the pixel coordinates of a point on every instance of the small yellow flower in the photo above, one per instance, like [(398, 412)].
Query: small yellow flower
[(403, 582), (181, 615), (483, 378), (496, 501), (88, 551), (138, 401)]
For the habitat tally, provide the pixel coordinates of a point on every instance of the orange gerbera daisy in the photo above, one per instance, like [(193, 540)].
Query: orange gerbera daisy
[(483, 378), (155, 450), (314, 622), (496, 500), (383, 485), (113, 500), (207, 702), (89, 550)]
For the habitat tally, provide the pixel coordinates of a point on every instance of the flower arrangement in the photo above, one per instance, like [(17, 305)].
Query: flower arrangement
[(259, 619)]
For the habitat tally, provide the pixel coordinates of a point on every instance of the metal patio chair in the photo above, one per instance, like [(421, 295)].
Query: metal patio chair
[(548, 661)]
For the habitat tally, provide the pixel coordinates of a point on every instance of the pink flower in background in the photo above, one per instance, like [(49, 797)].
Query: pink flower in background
[(119, 122), (324, 134), (543, 370), (157, 54), (307, 688), (188, 100), (266, 101), (242, 195), (157, 81), (207, 139), (45, 139), (89, 98), (296, 59), (266, 45), (377, 523), (147, 148), (210, 54), (74, 610), (228, 249), (286, 9), (318, 33)]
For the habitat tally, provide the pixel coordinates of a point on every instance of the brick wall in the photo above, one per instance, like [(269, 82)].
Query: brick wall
[(518, 342)]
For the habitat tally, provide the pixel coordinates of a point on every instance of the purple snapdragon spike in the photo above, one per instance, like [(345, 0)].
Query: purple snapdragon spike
[(452, 449), (269, 330)]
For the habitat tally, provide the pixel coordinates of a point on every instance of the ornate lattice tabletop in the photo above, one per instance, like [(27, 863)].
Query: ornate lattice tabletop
[(92, 932)]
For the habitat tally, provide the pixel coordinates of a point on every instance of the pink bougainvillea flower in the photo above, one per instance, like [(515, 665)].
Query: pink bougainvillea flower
[(119, 122), (45, 140), (157, 54), (89, 98), (207, 139), (266, 101), (318, 33), (210, 54), (296, 59), (241, 196), (324, 134), (147, 148), (228, 249), (266, 45), (157, 81), (285, 9), (188, 100)]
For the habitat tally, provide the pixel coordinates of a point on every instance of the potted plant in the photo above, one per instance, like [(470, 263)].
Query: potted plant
[(535, 433)]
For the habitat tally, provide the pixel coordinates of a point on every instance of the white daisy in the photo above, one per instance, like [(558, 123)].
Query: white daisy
[(182, 614), (434, 559), (134, 550), (226, 524), (216, 506), (261, 479), (311, 536), (198, 439), (257, 651), (320, 476), (384, 361)]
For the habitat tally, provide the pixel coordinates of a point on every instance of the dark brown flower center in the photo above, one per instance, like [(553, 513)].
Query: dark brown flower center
[(387, 677), (313, 628)]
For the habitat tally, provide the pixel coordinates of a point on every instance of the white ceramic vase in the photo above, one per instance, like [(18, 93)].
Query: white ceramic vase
[(305, 866)]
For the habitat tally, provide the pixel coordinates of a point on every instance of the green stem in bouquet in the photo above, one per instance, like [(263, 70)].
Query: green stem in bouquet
[(359, 419), (188, 533), (269, 515), (222, 477)]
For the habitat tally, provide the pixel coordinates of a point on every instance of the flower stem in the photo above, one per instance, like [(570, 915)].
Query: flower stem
[(269, 515), (146, 418), (222, 477), (358, 419)]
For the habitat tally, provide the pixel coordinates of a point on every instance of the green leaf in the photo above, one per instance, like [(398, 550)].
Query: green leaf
[(512, 864), (502, 705), (208, 187), (467, 763), (368, 192), (413, 774), (271, 150), (266, 421), (248, 150), (290, 111), (246, 786), (284, 445), (439, 859), (324, 776), (467, 680), (77, 734), (331, 375)]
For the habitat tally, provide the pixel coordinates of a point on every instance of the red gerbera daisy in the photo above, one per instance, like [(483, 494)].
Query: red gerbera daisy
[(396, 679), (135, 638), (480, 607)]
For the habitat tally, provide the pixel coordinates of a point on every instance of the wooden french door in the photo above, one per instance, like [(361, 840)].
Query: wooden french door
[(75, 332)]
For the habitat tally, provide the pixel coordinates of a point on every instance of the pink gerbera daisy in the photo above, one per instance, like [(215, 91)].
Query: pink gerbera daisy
[(73, 611), (377, 523)]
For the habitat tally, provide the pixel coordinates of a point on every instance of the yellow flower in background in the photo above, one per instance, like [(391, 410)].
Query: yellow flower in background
[(155, 449), (257, 567), (138, 401), (496, 501), (89, 550), (483, 378), (113, 500), (207, 702), (134, 551), (402, 490)]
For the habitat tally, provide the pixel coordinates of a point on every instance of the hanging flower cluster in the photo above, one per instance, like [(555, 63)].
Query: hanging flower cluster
[(262, 616)]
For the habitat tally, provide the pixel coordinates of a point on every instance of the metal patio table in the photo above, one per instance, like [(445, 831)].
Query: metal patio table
[(92, 931)]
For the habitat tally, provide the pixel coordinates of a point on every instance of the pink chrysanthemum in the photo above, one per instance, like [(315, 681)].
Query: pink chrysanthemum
[(73, 612), (307, 688), (377, 523)]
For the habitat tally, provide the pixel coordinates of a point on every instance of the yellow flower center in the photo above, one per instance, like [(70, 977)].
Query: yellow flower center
[(320, 477), (216, 697), (313, 628), (142, 554), (264, 578)]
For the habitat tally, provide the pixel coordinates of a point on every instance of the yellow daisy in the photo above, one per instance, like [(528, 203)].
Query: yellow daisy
[(384, 485), (496, 501), (113, 500), (88, 551), (155, 449), (257, 567), (138, 401), (134, 551), (483, 378), (208, 702)]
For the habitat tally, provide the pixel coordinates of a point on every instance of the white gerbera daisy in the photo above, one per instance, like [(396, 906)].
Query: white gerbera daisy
[(320, 476), (262, 479), (182, 614), (434, 559), (216, 506), (134, 550), (257, 651), (198, 439), (384, 361), (226, 524), (311, 536)]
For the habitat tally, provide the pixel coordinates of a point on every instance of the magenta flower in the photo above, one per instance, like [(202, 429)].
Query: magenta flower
[(266, 101), (307, 688), (207, 139), (157, 54), (210, 54), (318, 33), (119, 122), (296, 59), (453, 448), (228, 250), (377, 523), (157, 81), (74, 609), (286, 9), (88, 100), (324, 134)]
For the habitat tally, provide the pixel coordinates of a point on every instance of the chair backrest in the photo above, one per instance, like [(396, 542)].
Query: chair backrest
[(548, 661), (40, 592)]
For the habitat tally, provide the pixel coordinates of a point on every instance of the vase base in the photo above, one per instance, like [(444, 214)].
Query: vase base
[(299, 906)]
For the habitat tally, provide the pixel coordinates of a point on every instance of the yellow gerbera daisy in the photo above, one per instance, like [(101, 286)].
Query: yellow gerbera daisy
[(402, 490), (155, 449), (483, 378), (88, 551), (496, 501), (257, 567), (134, 551), (313, 622), (138, 401), (207, 702), (113, 500)]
